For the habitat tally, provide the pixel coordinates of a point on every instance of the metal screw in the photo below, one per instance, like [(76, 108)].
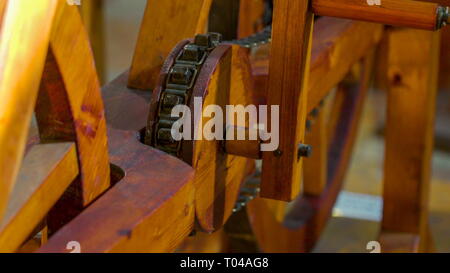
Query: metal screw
[(304, 150), (443, 14), (278, 153), (308, 125)]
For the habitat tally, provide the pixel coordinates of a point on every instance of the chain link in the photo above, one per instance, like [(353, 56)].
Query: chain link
[(181, 80)]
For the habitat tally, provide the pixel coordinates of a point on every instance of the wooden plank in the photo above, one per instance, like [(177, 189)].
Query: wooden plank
[(165, 24), (396, 242), (224, 18), (404, 13), (412, 80), (19, 87), (298, 225), (78, 77), (151, 208), (3, 4), (225, 80), (251, 17), (92, 13), (288, 79), (337, 45), (218, 175), (216, 242), (46, 172), (315, 170)]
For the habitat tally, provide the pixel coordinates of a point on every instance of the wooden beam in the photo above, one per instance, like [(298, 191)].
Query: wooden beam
[(78, 80), (315, 171), (298, 228), (45, 174), (224, 18), (92, 13), (412, 79), (288, 80), (165, 24), (404, 13), (251, 17), (19, 87), (338, 45), (150, 208)]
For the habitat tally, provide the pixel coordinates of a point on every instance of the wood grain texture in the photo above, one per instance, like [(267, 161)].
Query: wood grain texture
[(92, 13), (224, 18), (3, 4), (19, 87), (337, 45), (216, 242), (251, 13), (287, 87), (299, 227), (405, 13), (412, 79), (151, 209), (245, 148), (46, 172), (315, 167), (218, 176), (165, 24), (78, 79)]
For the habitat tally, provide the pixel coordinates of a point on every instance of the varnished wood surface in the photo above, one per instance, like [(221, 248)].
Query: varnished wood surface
[(337, 45), (287, 87), (218, 176), (299, 229), (73, 55), (92, 13), (251, 13), (165, 24), (409, 129), (19, 87), (405, 13), (315, 171), (46, 172), (151, 209)]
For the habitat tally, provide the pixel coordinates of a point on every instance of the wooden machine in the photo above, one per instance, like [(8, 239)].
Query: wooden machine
[(100, 170)]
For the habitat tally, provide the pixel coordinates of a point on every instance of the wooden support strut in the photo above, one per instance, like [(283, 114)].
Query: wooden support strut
[(404, 13), (288, 79)]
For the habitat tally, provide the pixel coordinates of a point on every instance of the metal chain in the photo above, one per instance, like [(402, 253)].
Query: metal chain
[(178, 90), (261, 38), (181, 80), (248, 192)]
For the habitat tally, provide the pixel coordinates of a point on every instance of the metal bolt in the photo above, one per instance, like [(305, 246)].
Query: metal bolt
[(304, 150), (443, 15), (315, 113), (278, 153), (308, 125)]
